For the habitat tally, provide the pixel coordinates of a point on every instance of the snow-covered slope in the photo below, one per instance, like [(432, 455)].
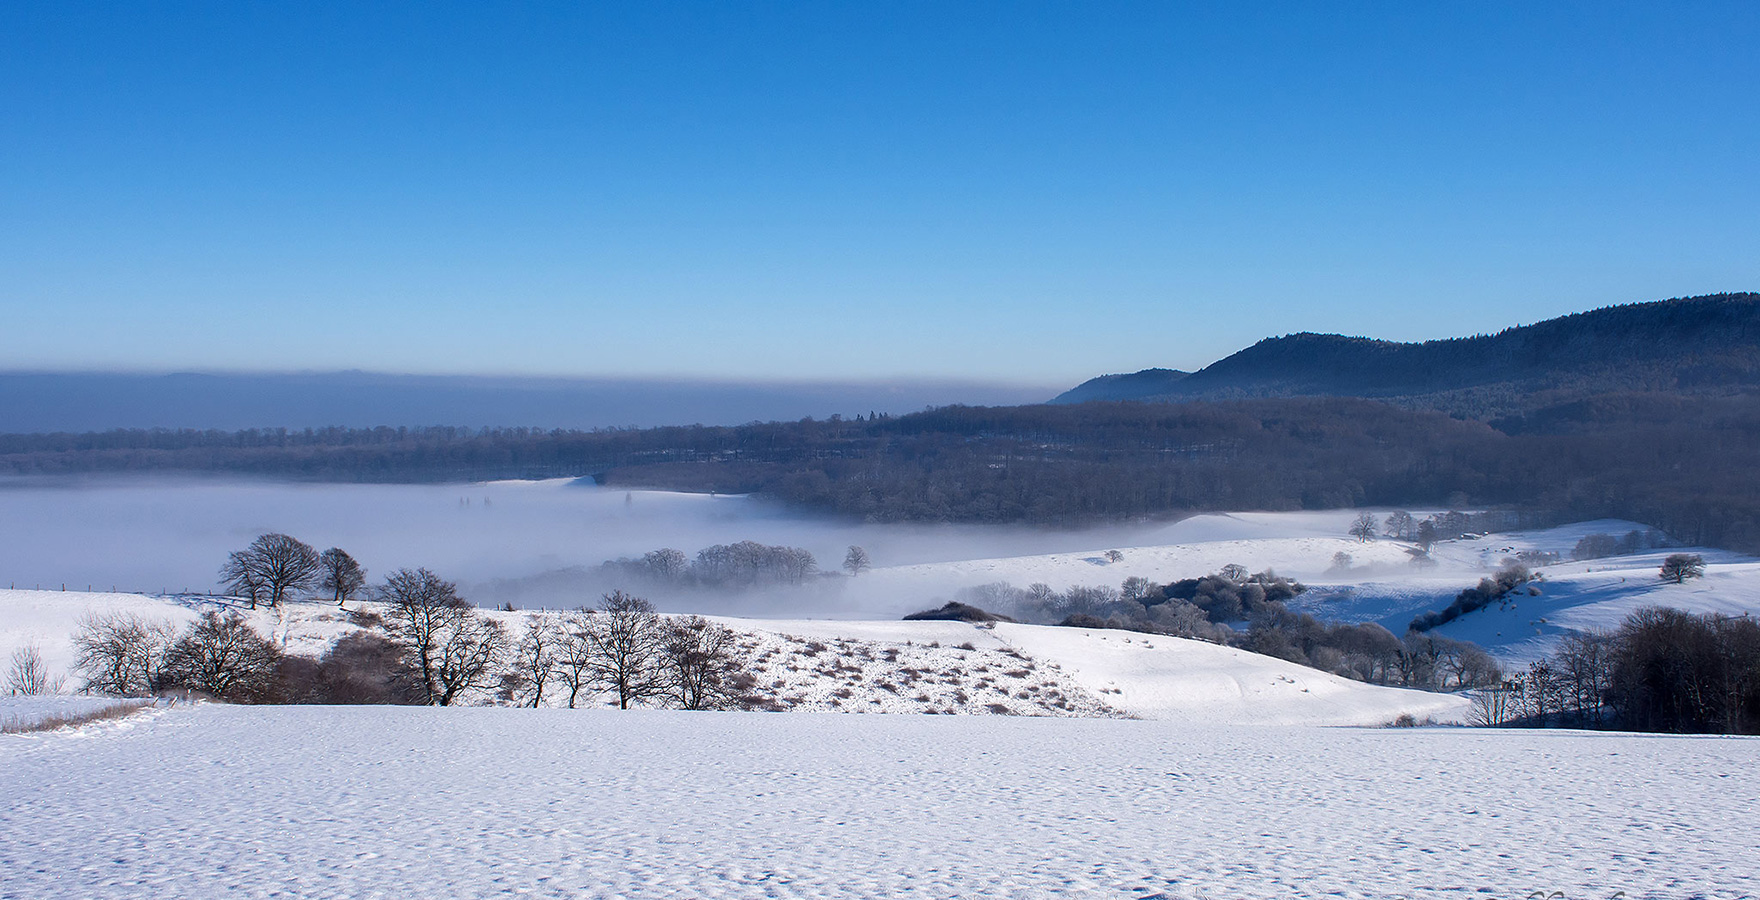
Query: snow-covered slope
[(1381, 584), (906, 667), (334, 802), (1181, 680)]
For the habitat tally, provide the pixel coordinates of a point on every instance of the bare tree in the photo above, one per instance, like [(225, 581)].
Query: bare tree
[(535, 661), (239, 578), (1363, 528), (1585, 663), (856, 561), (700, 663), (120, 653), (666, 563), (1399, 526), (340, 575), (274, 565), (1679, 567), (573, 657), (452, 647), (1136, 588), (1495, 704), (622, 648), (28, 676), (797, 564), (223, 657), (469, 657)]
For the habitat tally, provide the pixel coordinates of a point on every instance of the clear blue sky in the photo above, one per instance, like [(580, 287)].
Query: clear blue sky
[(1017, 191)]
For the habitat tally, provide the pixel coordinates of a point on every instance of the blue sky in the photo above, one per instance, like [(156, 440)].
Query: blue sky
[(1015, 191)]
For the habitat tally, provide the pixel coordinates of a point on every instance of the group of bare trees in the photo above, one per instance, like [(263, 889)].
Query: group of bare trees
[(631, 653), (737, 565), (218, 655), (434, 648), (275, 566), (1662, 670), (1214, 607)]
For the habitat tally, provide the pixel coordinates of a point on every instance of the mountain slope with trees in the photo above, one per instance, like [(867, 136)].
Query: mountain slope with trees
[(1701, 345)]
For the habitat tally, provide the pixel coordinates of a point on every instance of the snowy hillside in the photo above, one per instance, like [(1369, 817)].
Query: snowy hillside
[(904, 667), (1381, 584), (333, 802)]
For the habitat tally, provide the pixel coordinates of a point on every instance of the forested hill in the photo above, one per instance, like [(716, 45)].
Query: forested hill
[(1688, 465), (1697, 345)]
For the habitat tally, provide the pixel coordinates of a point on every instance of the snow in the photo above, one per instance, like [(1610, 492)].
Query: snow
[(210, 801), (1156, 677), (15, 710), (884, 667)]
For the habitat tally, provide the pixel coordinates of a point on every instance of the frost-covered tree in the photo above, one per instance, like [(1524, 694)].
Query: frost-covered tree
[(856, 561), (1363, 528), (1399, 525)]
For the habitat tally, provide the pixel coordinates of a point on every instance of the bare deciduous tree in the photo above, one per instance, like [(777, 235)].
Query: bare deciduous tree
[(666, 563), (536, 661), (1679, 567), (574, 659), (28, 675), (1363, 528), (453, 649), (1399, 526), (700, 662), (274, 565), (340, 575), (120, 653), (239, 578), (622, 648), (856, 561), (1585, 662), (222, 656)]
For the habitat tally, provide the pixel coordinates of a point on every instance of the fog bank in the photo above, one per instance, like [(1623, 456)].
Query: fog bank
[(530, 543)]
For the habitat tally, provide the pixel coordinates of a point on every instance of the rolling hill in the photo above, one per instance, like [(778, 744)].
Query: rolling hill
[(1698, 345)]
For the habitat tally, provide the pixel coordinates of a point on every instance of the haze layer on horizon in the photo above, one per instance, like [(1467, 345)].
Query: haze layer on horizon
[(97, 401), (813, 191)]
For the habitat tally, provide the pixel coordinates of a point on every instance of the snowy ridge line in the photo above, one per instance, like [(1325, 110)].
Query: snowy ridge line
[(884, 667)]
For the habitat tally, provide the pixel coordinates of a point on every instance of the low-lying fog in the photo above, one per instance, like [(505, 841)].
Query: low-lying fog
[(528, 543)]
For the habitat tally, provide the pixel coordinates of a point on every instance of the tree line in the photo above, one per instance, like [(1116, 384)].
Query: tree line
[(1689, 465), (1214, 608), (420, 642), (1664, 670)]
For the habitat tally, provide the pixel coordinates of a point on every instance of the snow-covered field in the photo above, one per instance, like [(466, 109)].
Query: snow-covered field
[(1079, 762), (26, 711), (211, 801)]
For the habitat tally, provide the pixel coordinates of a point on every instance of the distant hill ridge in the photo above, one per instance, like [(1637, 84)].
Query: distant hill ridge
[(1698, 345)]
